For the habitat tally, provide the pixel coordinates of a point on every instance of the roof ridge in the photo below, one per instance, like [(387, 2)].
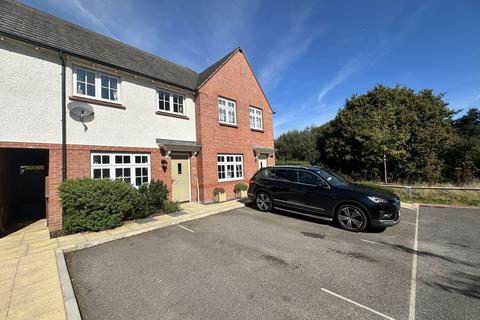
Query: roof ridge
[(37, 11)]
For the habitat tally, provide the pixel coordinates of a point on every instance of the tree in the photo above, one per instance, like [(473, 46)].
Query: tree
[(413, 129), (464, 157), (296, 146)]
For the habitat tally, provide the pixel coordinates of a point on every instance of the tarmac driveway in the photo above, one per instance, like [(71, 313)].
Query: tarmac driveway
[(245, 264)]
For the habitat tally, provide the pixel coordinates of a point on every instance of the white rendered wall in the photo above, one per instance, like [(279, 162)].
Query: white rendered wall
[(30, 104), (137, 125), (30, 94)]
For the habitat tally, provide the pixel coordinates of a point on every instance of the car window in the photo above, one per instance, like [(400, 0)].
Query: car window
[(269, 173), (307, 177), (286, 175)]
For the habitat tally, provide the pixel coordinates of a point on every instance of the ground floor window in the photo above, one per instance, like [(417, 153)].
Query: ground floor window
[(133, 168), (230, 167)]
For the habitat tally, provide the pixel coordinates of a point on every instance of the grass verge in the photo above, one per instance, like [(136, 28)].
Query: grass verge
[(450, 197)]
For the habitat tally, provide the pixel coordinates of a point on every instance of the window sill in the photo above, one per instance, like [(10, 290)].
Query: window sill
[(257, 130), (170, 114), (228, 125), (99, 102), (230, 180)]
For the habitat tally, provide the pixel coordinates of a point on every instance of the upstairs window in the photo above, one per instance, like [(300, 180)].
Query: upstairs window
[(256, 121), (93, 84), (227, 112), (171, 102), (163, 101), (86, 82), (109, 87)]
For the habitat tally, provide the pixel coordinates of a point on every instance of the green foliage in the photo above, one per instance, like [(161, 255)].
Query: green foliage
[(155, 195), (297, 146), (464, 157), (218, 190), (95, 205), (414, 130), (171, 206), (240, 187)]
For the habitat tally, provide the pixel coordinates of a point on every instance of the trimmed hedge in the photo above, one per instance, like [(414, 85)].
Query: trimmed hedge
[(95, 205)]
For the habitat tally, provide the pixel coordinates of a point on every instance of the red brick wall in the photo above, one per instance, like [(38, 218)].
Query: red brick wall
[(78, 165), (234, 81)]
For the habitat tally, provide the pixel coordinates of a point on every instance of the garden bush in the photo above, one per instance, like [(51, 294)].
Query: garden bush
[(171, 206), (95, 205), (240, 187), (155, 195)]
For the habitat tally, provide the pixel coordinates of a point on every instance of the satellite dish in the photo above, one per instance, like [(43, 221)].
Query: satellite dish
[(80, 110)]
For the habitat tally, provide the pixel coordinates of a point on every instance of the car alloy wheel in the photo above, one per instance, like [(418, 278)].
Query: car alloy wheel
[(351, 218), (263, 201)]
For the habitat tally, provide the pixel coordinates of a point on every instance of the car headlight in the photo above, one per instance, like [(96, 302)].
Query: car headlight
[(377, 199)]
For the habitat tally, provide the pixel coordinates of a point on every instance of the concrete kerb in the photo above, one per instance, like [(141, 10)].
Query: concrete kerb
[(70, 302)]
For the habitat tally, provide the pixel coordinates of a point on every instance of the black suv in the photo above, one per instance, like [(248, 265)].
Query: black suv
[(316, 192)]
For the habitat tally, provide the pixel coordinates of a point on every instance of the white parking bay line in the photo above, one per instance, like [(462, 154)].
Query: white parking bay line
[(413, 281), (378, 243), (185, 228), (357, 304)]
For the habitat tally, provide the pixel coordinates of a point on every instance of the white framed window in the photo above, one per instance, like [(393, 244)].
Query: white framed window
[(256, 119), (96, 85), (230, 167), (171, 102), (227, 111), (130, 167)]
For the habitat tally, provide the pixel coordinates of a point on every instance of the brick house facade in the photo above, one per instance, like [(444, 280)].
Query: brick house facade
[(234, 80), (143, 106)]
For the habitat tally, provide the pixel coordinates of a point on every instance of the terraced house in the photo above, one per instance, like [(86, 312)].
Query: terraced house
[(75, 103)]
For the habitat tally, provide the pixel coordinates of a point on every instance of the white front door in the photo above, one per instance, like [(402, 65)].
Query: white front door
[(262, 163)]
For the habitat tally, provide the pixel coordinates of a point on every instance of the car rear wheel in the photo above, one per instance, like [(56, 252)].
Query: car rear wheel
[(351, 218), (263, 201)]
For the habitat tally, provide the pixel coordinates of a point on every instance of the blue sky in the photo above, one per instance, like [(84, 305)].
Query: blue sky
[(308, 55)]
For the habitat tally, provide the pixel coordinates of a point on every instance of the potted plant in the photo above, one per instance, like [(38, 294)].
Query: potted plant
[(240, 190), (219, 195)]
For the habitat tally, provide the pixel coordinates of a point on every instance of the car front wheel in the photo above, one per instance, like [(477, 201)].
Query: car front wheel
[(263, 201), (351, 218)]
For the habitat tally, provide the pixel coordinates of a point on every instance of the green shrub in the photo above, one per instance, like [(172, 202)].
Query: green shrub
[(218, 190), (240, 187), (171, 206), (95, 205), (155, 195)]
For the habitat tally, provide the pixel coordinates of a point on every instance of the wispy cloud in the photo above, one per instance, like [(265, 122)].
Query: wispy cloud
[(349, 68), (290, 48)]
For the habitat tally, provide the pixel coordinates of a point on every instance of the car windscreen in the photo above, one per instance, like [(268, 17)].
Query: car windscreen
[(330, 177)]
